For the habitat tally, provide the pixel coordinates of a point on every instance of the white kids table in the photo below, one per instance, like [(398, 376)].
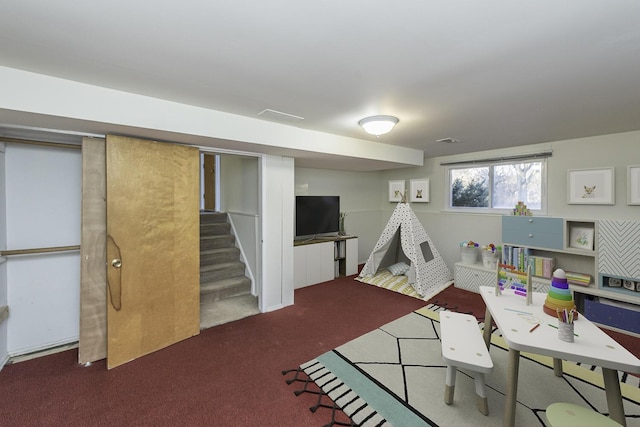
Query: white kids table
[(591, 346)]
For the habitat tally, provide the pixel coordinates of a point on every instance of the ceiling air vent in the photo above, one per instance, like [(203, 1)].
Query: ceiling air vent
[(279, 116), (447, 140)]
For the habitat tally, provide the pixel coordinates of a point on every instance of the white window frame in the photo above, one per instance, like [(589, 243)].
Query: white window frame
[(490, 163)]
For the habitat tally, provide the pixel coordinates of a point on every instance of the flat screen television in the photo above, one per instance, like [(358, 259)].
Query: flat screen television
[(317, 215)]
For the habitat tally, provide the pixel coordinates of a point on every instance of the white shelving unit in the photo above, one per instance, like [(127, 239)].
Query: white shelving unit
[(542, 237), (613, 254), (550, 237), (324, 259)]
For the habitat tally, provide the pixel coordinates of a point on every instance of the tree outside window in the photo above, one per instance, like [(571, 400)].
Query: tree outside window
[(497, 186), (470, 188)]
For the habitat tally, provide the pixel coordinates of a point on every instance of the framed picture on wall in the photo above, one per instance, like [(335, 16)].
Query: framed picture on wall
[(581, 238), (591, 186), (419, 190), (396, 190), (633, 185)]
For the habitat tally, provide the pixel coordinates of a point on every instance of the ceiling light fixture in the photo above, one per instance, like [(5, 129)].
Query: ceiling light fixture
[(378, 125)]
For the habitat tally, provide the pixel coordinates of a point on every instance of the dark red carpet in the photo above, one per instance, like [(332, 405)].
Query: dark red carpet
[(229, 375)]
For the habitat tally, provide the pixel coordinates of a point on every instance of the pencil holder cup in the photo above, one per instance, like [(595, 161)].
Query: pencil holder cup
[(565, 331)]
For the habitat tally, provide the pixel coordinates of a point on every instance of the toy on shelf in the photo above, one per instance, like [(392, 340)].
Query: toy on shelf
[(521, 210), (559, 298)]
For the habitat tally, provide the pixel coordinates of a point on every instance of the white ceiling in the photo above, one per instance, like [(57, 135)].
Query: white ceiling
[(489, 73)]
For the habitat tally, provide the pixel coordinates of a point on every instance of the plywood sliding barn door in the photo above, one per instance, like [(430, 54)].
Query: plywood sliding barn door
[(92, 341), (152, 246)]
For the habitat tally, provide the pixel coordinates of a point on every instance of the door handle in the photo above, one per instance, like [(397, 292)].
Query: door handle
[(114, 276)]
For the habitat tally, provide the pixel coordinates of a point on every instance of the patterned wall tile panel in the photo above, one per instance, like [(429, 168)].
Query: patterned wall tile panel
[(619, 248)]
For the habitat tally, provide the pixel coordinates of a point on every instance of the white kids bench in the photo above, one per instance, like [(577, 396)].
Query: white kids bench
[(463, 347)]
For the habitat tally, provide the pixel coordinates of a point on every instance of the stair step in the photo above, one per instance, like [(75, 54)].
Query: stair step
[(227, 270), (216, 242), (212, 217), (225, 291), (215, 229), (219, 256), (225, 288), (213, 313)]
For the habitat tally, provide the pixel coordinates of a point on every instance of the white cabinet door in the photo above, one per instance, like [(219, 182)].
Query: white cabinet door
[(352, 257), (320, 266), (313, 263), (299, 266), (471, 277), (619, 248)]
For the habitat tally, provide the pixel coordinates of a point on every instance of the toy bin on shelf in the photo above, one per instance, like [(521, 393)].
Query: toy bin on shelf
[(489, 259), (613, 313), (469, 254)]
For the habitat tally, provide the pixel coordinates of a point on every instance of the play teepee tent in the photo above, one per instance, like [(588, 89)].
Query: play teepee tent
[(404, 239)]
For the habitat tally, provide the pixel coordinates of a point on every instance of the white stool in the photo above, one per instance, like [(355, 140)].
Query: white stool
[(570, 415), (463, 347)]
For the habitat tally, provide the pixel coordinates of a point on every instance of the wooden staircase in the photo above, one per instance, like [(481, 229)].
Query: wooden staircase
[(225, 291)]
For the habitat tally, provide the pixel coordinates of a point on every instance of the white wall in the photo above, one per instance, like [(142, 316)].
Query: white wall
[(43, 207), (447, 229), (239, 185), (276, 191), (359, 198), (4, 354)]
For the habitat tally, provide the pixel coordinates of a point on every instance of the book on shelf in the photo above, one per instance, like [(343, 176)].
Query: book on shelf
[(522, 258), (547, 265), (580, 279)]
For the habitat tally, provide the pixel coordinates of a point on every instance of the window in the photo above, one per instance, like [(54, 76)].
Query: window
[(497, 186)]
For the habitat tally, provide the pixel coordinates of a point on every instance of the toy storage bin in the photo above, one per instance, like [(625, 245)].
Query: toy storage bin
[(617, 314), (489, 259), (469, 254)]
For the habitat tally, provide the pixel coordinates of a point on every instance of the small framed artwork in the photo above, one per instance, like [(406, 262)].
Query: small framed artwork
[(591, 186), (581, 238), (419, 190), (633, 185), (396, 191)]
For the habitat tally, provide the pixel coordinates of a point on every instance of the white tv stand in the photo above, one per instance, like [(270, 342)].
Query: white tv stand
[(323, 259)]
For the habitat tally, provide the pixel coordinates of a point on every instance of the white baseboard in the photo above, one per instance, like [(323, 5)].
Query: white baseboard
[(4, 361), (43, 352)]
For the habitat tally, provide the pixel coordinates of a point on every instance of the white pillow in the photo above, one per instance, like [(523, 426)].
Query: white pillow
[(398, 269)]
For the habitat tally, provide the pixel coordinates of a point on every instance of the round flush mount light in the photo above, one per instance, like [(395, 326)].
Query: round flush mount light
[(378, 125)]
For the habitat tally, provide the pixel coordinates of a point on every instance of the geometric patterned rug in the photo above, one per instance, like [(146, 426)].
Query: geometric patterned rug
[(394, 376)]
